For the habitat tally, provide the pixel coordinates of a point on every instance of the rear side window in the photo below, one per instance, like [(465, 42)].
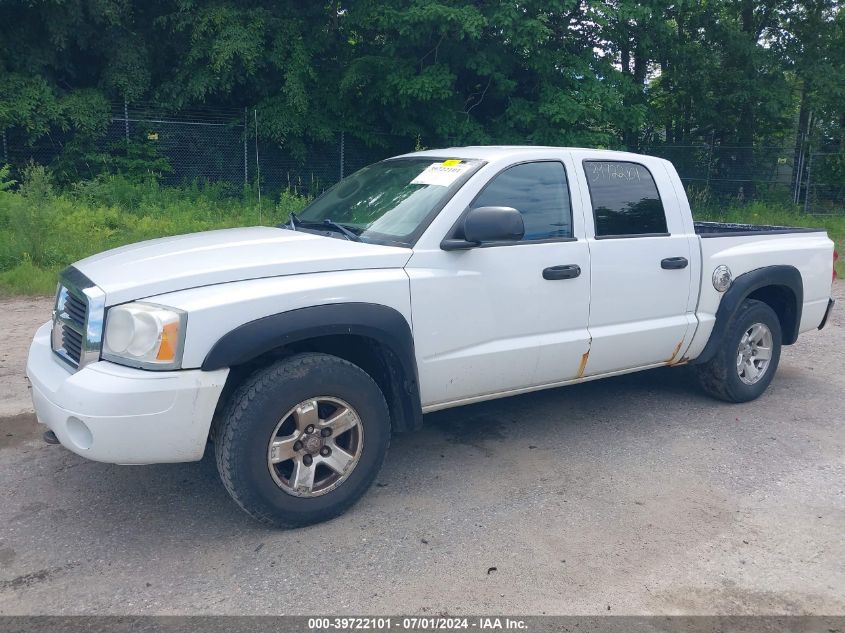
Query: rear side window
[(625, 199), (539, 191)]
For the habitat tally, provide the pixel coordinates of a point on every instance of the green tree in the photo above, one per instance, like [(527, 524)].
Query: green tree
[(613, 73)]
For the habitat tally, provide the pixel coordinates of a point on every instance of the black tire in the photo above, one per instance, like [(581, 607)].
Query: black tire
[(719, 376), (253, 412)]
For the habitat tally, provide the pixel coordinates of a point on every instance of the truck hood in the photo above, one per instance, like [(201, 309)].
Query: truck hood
[(213, 257)]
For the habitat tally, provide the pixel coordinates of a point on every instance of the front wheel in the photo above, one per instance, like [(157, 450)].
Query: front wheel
[(303, 439), (745, 365)]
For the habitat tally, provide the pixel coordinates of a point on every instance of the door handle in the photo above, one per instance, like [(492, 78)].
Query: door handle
[(674, 263), (570, 271)]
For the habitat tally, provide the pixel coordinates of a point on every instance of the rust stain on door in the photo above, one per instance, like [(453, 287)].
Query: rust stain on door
[(584, 358), (675, 353)]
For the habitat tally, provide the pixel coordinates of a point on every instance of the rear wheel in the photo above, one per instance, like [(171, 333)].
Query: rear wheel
[(303, 439), (746, 363)]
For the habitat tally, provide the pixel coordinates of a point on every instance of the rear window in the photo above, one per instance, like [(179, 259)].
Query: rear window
[(624, 198)]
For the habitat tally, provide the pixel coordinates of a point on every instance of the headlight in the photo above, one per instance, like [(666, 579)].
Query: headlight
[(145, 335)]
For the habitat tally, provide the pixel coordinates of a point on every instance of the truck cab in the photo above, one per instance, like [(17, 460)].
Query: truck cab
[(603, 280)]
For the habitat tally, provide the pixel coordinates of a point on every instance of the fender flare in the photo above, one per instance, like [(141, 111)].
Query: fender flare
[(378, 322), (744, 285)]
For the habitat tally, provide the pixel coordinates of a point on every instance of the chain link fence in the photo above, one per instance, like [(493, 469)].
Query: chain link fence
[(812, 178), (227, 146), (825, 183), (223, 146)]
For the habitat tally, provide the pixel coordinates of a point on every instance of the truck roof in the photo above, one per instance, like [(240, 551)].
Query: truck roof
[(494, 152)]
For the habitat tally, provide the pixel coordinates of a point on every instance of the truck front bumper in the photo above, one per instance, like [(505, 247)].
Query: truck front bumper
[(116, 414)]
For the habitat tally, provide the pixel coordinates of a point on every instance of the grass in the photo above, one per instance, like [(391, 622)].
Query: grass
[(782, 215), (43, 229)]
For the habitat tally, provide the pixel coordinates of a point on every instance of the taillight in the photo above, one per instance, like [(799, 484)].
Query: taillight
[(835, 257)]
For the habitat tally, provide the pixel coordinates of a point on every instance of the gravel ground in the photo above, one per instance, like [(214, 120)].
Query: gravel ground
[(633, 495)]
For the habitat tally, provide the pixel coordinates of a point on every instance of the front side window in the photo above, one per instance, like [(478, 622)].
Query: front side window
[(625, 199), (539, 191), (391, 201)]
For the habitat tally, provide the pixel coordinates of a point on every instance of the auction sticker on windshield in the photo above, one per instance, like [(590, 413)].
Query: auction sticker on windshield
[(442, 174)]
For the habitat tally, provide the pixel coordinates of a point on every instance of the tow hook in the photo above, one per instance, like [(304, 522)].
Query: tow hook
[(51, 438)]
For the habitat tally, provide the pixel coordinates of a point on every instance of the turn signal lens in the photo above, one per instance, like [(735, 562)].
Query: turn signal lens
[(169, 342)]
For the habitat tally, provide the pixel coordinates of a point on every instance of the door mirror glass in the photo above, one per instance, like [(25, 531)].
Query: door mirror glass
[(493, 224)]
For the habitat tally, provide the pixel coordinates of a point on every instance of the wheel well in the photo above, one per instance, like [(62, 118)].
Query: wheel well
[(783, 301), (779, 287), (375, 358)]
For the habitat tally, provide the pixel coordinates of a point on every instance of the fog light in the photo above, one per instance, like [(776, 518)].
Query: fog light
[(79, 433)]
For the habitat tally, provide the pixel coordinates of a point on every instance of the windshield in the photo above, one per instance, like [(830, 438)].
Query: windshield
[(391, 201)]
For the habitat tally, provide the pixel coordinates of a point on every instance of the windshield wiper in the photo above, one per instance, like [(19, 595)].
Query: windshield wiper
[(339, 227), (295, 221)]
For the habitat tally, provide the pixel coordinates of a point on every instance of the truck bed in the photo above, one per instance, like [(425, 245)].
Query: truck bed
[(727, 229)]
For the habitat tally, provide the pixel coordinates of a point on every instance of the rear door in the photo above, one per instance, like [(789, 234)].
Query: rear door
[(641, 263)]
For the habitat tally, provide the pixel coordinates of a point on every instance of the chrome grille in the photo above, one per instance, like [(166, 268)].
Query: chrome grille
[(77, 319), (76, 309), (72, 343)]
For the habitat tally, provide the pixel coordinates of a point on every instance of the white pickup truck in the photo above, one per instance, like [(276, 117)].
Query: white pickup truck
[(422, 282)]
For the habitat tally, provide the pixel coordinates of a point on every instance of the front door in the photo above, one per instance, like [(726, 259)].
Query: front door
[(505, 316)]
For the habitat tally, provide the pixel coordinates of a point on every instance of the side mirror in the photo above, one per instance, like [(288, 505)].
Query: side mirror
[(488, 224)]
